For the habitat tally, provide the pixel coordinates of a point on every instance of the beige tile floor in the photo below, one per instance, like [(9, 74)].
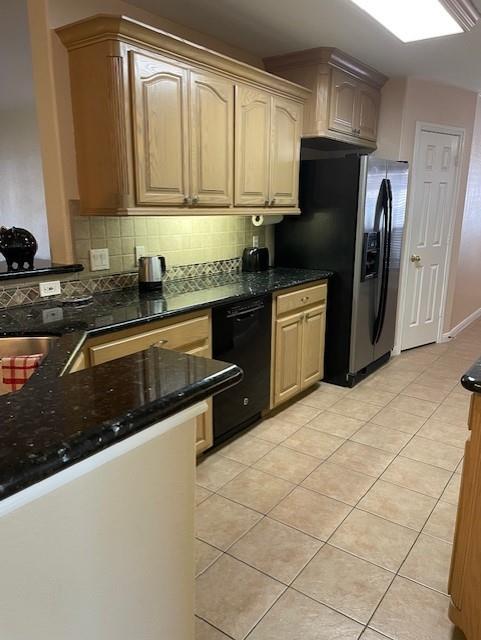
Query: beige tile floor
[(334, 519)]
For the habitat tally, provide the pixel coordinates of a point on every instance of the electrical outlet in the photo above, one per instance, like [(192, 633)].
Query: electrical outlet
[(255, 241), (99, 259), (139, 252), (52, 315), (49, 288)]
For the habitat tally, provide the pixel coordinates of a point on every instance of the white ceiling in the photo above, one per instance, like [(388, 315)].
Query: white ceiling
[(270, 27)]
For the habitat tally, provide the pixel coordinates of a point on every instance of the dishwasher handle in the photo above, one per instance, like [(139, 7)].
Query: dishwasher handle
[(244, 312)]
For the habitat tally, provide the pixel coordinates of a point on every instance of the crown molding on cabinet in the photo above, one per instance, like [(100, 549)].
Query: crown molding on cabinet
[(330, 56), (104, 27)]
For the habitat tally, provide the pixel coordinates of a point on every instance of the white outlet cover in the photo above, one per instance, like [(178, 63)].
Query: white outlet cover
[(49, 288), (255, 241), (99, 259)]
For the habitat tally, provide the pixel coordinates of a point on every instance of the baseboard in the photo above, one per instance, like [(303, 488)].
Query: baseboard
[(462, 325)]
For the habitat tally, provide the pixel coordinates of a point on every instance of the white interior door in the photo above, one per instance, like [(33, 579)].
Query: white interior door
[(433, 183)]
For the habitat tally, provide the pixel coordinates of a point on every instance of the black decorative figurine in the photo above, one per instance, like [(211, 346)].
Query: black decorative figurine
[(18, 246)]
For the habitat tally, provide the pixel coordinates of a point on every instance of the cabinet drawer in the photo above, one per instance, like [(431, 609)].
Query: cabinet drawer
[(178, 336), (300, 299)]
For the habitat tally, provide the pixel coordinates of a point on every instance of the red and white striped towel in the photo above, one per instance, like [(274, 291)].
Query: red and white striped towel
[(16, 370)]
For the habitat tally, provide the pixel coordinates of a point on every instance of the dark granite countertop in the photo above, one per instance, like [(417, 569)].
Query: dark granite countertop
[(472, 378), (41, 268), (55, 421)]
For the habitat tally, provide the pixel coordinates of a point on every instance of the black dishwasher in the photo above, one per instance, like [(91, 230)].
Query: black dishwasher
[(241, 334)]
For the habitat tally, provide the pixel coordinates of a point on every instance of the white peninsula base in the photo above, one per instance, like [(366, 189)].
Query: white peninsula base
[(104, 550)]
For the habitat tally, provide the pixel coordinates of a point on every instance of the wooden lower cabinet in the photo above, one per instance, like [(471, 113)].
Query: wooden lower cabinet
[(299, 320), (189, 333), (312, 366), (288, 357), (465, 579)]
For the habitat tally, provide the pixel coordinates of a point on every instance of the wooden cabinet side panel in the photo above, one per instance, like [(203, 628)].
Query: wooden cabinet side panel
[(161, 134), (212, 139), (465, 579), (100, 105), (286, 125), (252, 146)]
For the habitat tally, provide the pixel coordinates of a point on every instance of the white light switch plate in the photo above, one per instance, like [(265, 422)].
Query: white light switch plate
[(49, 288), (139, 252), (99, 259)]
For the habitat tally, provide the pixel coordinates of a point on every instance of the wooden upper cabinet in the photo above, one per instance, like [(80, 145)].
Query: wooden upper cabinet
[(212, 143), (161, 135), (164, 126), (343, 107), (344, 104), (252, 146), (286, 124), (369, 104)]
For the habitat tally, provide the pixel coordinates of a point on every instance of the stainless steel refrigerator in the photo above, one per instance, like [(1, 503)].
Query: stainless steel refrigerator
[(352, 223)]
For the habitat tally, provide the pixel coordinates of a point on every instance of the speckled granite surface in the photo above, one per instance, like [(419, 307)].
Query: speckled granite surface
[(472, 378), (55, 421)]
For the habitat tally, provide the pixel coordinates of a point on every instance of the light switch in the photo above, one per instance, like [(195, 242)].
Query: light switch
[(99, 259)]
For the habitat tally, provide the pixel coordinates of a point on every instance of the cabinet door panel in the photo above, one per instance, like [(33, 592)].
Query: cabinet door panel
[(212, 127), (343, 102), (160, 131), (288, 356), (368, 112), (252, 146), (286, 121), (204, 429), (312, 368)]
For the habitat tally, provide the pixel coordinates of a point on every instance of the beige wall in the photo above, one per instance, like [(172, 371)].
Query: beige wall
[(393, 100), (406, 101), (22, 197), (467, 290), (68, 239)]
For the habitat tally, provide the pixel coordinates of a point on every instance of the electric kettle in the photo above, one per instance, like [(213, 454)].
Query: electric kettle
[(151, 272)]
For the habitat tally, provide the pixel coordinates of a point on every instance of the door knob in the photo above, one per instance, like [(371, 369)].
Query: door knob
[(415, 258)]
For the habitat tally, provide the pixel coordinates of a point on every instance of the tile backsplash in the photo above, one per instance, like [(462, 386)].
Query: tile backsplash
[(182, 240)]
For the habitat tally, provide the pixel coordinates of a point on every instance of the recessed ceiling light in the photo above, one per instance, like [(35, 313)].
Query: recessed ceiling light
[(411, 20)]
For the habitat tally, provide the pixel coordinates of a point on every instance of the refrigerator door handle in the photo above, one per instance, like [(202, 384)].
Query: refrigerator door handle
[(387, 216)]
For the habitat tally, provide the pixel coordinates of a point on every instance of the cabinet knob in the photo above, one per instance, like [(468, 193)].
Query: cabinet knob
[(160, 343), (188, 200), (266, 203), (273, 202), (195, 200)]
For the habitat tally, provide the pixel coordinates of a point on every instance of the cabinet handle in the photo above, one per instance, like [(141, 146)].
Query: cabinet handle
[(305, 299), (160, 343), (195, 200)]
